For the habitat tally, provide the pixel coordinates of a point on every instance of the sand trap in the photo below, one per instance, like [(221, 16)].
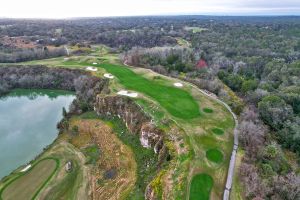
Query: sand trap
[(126, 93), (93, 69), (26, 168), (108, 76), (178, 84), (66, 58), (94, 63)]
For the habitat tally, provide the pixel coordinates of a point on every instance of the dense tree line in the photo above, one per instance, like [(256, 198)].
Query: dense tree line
[(28, 77), (127, 39), (173, 59), (265, 170), (231, 35), (21, 55)]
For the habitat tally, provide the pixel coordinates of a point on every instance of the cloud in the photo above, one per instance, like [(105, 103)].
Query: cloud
[(70, 8)]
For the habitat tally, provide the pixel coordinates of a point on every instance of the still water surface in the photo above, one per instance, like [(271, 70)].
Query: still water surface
[(28, 121)]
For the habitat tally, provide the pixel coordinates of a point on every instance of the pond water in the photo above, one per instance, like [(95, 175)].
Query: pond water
[(28, 121)]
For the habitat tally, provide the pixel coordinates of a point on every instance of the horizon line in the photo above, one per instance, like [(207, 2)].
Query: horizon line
[(158, 15)]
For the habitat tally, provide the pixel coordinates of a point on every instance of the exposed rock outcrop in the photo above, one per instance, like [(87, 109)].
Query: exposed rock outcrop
[(136, 120)]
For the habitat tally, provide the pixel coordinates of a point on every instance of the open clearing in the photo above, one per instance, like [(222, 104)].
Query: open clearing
[(28, 185), (201, 186)]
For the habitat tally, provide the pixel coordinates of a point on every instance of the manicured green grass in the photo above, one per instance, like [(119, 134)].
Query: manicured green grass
[(208, 110), (214, 155), (29, 184), (201, 186), (177, 102), (217, 131)]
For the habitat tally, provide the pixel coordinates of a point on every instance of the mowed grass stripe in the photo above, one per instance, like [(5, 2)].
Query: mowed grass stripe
[(28, 185), (177, 102)]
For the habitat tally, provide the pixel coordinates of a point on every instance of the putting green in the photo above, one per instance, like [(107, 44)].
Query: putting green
[(217, 131), (208, 110), (27, 185), (214, 155), (177, 102), (201, 186)]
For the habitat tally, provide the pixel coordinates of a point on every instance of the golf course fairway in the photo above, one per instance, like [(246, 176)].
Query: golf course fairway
[(177, 102), (27, 185)]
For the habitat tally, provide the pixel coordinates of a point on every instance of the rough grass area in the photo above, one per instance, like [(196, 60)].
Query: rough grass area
[(92, 153), (201, 186), (208, 110), (113, 174), (214, 155), (217, 131), (65, 189), (177, 102), (28, 185), (146, 159)]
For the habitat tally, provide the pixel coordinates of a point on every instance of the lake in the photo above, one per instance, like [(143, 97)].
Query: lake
[(28, 120)]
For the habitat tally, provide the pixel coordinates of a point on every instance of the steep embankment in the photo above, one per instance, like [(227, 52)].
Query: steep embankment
[(137, 122)]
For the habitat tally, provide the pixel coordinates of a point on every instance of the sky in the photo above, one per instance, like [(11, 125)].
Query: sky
[(101, 8)]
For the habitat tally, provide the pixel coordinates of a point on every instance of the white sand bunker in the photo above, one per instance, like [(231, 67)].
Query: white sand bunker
[(66, 58), (93, 69), (26, 168), (129, 94), (108, 76), (94, 63), (178, 84)]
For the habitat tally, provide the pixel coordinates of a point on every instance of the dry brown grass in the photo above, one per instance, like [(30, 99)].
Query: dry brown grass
[(114, 155)]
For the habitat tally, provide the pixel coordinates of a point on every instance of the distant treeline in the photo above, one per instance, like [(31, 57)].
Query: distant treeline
[(213, 33), (21, 55)]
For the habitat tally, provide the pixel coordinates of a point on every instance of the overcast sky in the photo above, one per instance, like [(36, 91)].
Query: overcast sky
[(95, 8)]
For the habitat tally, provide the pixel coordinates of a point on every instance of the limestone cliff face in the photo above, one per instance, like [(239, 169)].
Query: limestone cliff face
[(136, 120)]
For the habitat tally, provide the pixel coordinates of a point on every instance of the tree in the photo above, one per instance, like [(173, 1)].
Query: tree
[(64, 112), (274, 157), (252, 137), (249, 85), (289, 136), (287, 187), (274, 111)]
